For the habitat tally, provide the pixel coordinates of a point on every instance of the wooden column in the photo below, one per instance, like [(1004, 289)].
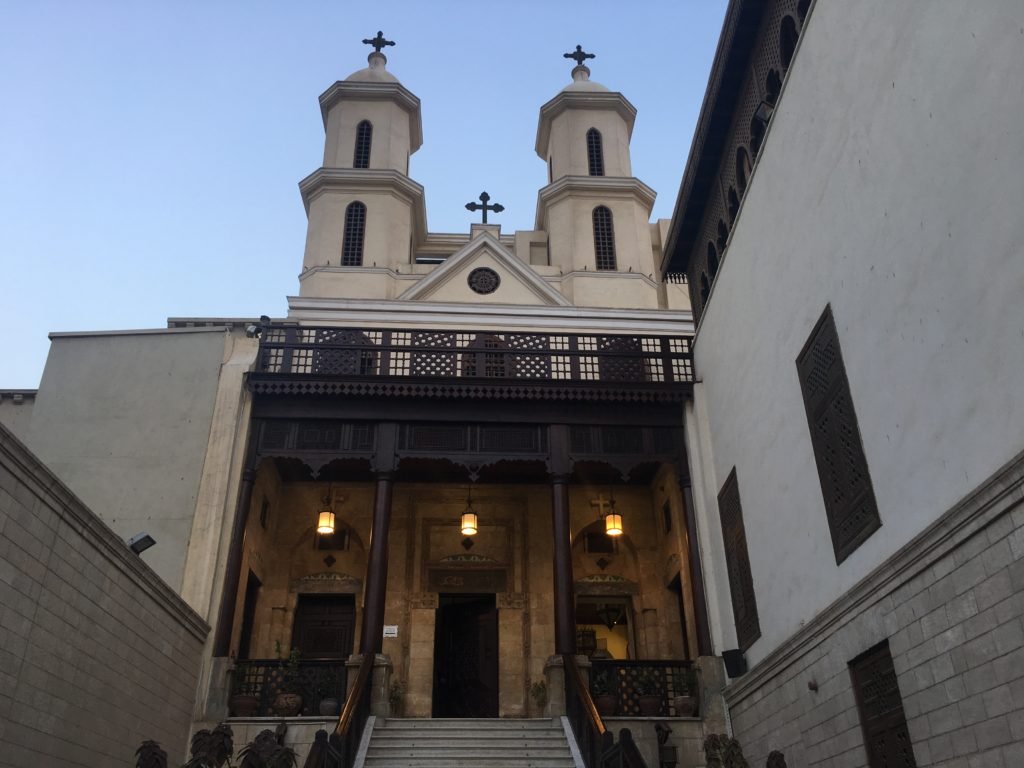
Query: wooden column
[(371, 639), (696, 571), (233, 567), (565, 605)]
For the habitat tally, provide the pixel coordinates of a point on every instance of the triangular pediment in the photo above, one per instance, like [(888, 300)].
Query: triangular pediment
[(453, 280)]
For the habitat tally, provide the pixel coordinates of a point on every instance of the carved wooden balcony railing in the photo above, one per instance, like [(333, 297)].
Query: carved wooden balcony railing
[(448, 363), (627, 681)]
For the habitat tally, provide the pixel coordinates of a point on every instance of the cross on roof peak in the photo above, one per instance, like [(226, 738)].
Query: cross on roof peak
[(579, 55), (378, 42), (483, 206)]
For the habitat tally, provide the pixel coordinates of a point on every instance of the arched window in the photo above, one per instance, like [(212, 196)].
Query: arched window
[(734, 203), (604, 238), (364, 137), (712, 260), (705, 289), (723, 236), (742, 168), (787, 41), (595, 153), (355, 227)]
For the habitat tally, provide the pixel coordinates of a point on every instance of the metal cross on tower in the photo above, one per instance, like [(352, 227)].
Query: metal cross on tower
[(483, 206), (378, 42), (579, 55)]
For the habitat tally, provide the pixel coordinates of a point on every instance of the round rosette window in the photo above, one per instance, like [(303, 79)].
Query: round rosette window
[(484, 280)]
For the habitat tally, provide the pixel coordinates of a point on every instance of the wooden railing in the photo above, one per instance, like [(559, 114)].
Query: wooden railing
[(352, 720), (597, 744), (375, 353)]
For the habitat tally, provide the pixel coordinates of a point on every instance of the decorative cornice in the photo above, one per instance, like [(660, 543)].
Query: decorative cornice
[(283, 385), (997, 496), (390, 313), (356, 180), (607, 187), (566, 100), (346, 90)]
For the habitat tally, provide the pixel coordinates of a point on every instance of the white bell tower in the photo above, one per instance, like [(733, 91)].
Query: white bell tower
[(596, 213), (364, 211)]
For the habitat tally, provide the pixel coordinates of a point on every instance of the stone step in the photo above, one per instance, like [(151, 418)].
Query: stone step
[(464, 723), (476, 742), (500, 737), (465, 751), (482, 762)]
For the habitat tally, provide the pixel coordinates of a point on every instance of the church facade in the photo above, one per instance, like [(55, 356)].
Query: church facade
[(781, 428)]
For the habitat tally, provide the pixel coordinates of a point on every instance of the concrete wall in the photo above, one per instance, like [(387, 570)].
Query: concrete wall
[(888, 186), (124, 419), (16, 406), (96, 652)]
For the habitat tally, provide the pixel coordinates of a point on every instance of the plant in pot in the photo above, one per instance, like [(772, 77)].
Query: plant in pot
[(648, 693), (288, 702), (603, 689), (539, 693), (327, 691), (685, 704), (244, 700), (396, 693)]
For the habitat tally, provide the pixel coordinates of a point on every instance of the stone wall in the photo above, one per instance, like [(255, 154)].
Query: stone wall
[(98, 653), (951, 604)]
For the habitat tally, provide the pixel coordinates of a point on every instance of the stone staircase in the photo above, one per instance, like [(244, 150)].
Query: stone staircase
[(480, 743)]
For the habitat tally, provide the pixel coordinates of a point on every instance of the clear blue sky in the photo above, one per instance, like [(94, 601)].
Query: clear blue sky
[(150, 151)]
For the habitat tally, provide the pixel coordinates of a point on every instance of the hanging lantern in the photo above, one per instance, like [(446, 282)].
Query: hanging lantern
[(613, 523), (325, 522), (468, 521), (325, 517)]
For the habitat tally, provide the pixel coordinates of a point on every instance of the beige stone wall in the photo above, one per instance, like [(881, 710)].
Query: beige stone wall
[(514, 536), (97, 653), (950, 606)]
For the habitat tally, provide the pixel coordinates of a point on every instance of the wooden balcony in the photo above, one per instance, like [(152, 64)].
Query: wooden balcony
[(308, 360)]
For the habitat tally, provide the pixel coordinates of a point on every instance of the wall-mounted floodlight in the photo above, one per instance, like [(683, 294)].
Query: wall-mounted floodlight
[(140, 542)]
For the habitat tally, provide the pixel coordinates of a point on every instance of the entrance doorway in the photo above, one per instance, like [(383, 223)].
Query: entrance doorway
[(324, 626), (466, 657)]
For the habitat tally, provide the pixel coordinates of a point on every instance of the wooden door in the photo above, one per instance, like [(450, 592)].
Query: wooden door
[(466, 657), (324, 626)]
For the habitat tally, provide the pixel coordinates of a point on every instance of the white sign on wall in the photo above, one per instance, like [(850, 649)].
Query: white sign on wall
[(390, 630)]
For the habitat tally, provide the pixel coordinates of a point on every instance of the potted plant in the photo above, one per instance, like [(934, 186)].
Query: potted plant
[(602, 688), (649, 693), (685, 704), (288, 702), (539, 693), (244, 700), (266, 751), (327, 691), (396, 692)]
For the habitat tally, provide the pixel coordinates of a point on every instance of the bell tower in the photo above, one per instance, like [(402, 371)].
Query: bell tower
[(364, 211), (596, 213)]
